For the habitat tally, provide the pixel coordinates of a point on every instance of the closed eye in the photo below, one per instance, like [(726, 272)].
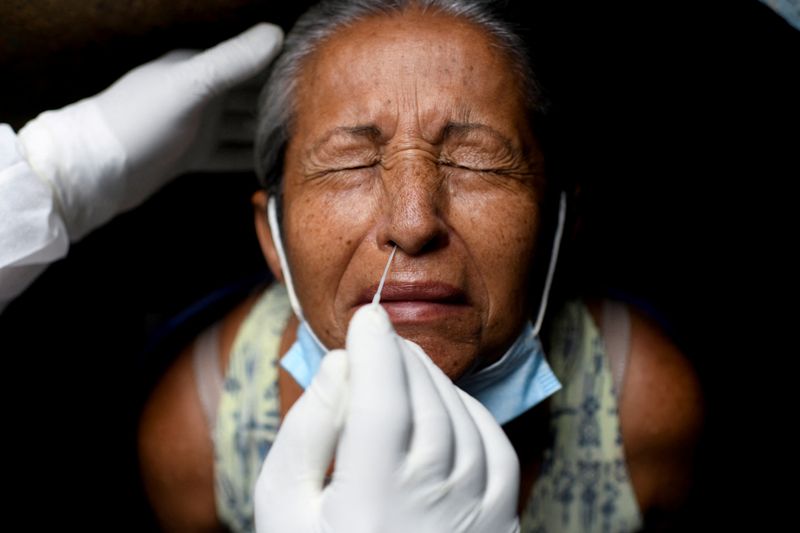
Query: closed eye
[(452, 164), (355, 167), (336, 170)]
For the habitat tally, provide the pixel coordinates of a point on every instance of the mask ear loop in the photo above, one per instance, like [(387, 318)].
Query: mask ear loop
[(562, 212), (275, 231)]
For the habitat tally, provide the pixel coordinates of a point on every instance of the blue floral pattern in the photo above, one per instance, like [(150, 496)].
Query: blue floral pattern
[(583, 485), (248, 415)]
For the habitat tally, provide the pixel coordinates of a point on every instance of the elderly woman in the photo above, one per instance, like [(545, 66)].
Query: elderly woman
[(413, 124)]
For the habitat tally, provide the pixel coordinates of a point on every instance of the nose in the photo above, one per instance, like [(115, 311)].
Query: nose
[(414, 205)]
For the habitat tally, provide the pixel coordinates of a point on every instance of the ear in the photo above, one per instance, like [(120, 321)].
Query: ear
[(264, 236)]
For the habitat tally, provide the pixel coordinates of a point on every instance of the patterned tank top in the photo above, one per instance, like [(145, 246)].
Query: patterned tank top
[(583, 485)]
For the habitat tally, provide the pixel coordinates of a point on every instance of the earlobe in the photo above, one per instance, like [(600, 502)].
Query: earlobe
[(260, 200)]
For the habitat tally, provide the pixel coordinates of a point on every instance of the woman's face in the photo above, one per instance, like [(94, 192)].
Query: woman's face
[(410, 131)]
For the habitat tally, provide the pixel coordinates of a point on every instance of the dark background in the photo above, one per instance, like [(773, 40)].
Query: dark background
[(679, 119)]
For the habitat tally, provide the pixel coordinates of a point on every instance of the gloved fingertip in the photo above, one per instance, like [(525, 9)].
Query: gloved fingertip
[(263, 37), (272, 32), (237, 59), (370, 319)]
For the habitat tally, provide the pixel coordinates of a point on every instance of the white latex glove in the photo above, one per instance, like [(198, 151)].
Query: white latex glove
[(106, 154), (414, 454)]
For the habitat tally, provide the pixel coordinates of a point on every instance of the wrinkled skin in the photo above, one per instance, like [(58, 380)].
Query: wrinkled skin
[(411, 130)]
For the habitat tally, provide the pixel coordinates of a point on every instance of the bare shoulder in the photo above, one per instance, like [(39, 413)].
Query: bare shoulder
[(174, 442), (661, 416)]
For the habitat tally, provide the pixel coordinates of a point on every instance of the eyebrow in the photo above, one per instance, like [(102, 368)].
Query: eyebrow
[(370, 132), (373, 133), (461, 129)]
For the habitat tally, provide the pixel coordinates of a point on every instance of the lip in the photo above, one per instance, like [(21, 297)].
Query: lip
[(419, 291), (417, 302)]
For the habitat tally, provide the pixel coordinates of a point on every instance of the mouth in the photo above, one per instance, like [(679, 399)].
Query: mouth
[(417, 302)]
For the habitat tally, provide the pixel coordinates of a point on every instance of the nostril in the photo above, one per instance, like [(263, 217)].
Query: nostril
[(413, 221), (438, 241), (414, 246)]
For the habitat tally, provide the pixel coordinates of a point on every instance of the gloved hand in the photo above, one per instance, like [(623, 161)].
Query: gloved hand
[(413, 452), (107, 153)]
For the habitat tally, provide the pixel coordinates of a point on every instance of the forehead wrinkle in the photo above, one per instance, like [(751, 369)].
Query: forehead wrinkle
[(418, 109), (433, 121)]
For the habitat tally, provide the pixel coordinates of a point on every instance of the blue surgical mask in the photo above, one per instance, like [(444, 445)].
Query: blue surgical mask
[(516, 382), (507, 388), (304, 357)]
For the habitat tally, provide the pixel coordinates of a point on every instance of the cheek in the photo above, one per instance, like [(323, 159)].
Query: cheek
[(499, 228), (323, 230)]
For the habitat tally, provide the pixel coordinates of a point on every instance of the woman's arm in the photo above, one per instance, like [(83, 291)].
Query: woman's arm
[(661, 417), (176, 453)]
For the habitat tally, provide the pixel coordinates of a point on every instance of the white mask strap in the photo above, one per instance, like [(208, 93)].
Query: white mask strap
[(275, 231), (562, 212)]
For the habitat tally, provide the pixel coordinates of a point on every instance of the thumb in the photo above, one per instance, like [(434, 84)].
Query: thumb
[(294, 471), (237, 59)]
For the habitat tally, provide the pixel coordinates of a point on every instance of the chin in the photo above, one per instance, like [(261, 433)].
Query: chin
[(453, 358)]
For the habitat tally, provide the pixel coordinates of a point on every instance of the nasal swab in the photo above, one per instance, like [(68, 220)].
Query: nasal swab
[(377, 298)]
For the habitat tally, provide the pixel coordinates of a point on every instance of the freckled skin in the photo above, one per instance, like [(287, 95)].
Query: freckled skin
[(461, 203)]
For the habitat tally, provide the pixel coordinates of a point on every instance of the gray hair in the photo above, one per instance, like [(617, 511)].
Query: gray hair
[(276, 105)]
